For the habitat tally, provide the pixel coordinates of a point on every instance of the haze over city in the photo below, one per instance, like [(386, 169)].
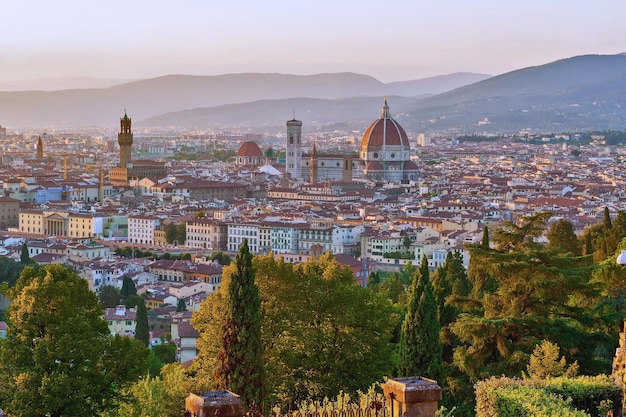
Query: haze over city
[(388, 40)]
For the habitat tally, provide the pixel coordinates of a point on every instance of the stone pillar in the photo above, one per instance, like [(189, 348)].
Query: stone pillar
[(214, 403), (412, 396)]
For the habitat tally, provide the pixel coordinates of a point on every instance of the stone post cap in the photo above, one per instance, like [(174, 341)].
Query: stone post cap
[(221, 403), (411, 390)]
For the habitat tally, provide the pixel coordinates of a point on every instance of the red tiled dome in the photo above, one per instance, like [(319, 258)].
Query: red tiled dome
[(373, 166), (250, 150), (410, 166), (384, 131)]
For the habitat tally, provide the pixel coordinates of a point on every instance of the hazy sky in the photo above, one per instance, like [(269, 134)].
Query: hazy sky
[(390, 40)]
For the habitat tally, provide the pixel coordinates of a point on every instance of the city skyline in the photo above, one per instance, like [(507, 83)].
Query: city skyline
[(389, 41)]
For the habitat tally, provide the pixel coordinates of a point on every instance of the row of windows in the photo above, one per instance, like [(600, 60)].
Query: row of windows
[(244, 232), (117, 323), (201, 230)]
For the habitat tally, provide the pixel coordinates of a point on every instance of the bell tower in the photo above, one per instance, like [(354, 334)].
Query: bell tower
[(293, 162), (125, 140), (314, 168), (39, 149)]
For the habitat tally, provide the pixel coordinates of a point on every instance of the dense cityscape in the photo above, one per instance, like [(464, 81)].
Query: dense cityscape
[(152, 219), (313, 209)]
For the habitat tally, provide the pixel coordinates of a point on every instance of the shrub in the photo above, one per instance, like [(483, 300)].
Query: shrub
[(565, 397)]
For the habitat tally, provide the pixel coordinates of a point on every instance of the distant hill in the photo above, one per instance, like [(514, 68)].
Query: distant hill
[(434, 85), (580, 93), (271, 115), (583, 92), (147, 98)]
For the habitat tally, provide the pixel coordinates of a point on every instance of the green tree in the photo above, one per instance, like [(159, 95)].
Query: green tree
[(10, 270), (523, 293), (317, 325), (561, 234), (58, 358), (407, 273), (162, 396), (132, 301), (109, 296), (128, 287), (222, 258), (544, 363), (420, 347), (24, 256), (485, 240), (181, 306), (406, 242), (125, 359), (125, 252), (142, 330), (588, 243), (165, 352), (171, 233), (373, 280), (155, 364), (181, 233), (240, 368), (450, 283), (607, 223), (146, 398), (392, 288)]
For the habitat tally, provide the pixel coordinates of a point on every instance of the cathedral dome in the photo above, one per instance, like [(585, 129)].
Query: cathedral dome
[(410, 166), (249, 150), (373, 166), (384, 132)]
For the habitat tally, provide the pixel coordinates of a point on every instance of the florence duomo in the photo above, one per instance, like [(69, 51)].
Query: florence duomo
[(326, 209), (385, 155)]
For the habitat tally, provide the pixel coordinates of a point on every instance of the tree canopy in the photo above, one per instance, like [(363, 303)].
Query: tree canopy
[(128, 287), (317, 328), (524, 293), (58, 358), (109, 296), (561, 234)]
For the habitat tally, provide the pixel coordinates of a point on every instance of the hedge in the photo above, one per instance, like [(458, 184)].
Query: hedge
[(563, 397)]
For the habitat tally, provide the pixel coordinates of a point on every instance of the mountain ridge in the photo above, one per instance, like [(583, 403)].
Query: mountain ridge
[(584, 92), (164, 94)]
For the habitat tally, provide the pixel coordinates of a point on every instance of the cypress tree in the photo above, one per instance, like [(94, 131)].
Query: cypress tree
[(239, 362), (442, 286), (607, 220), (374, 280), (24, 256), (181, 306), (485, 241), (420, 346), (588, 244), (142, 330)]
